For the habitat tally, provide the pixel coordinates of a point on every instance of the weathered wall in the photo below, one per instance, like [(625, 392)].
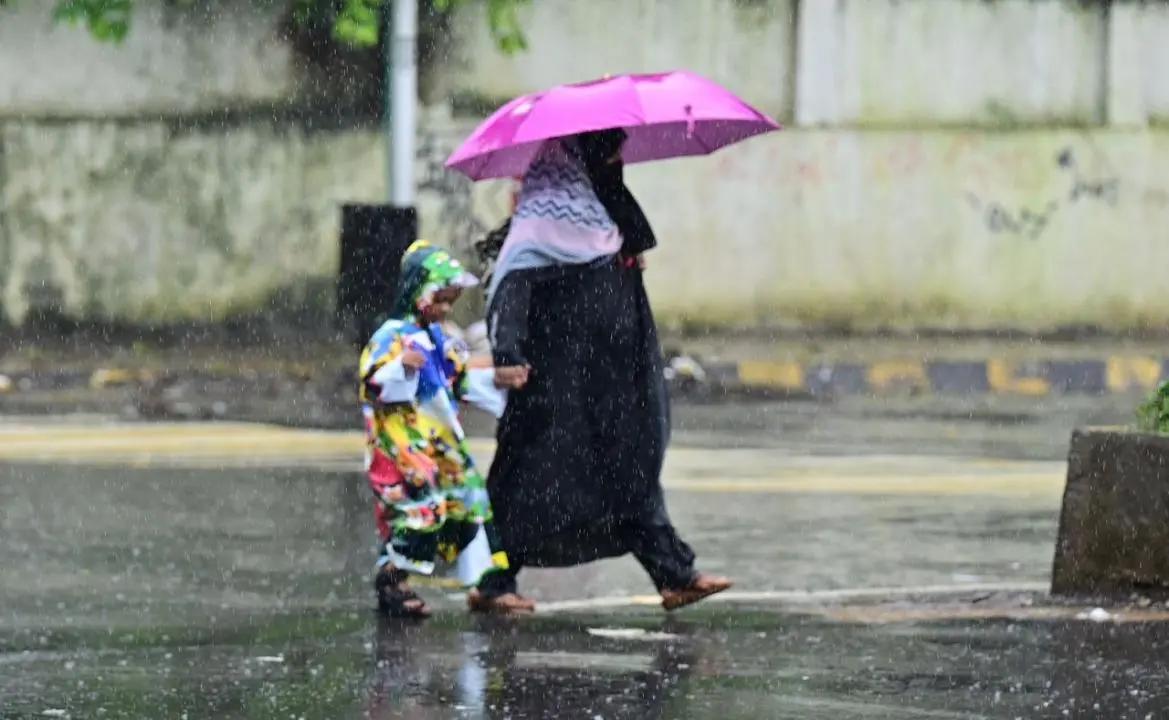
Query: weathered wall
[(141, 222), (940, 228), (145, 222), (174, 60), (917, 62), (747, 45), (963, 61), (1148, 26), (942, 186), (929, 176)]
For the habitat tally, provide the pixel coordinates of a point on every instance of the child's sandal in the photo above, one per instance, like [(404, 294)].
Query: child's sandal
[(397, 600)]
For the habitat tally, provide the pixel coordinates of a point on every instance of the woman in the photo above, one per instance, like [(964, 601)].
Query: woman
[(581, 442)]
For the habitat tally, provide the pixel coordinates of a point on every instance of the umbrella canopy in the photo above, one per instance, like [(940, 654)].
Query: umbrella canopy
[(665, 115)]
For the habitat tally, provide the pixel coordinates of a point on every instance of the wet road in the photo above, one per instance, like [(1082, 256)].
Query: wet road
[(755, 663), (222, 571)]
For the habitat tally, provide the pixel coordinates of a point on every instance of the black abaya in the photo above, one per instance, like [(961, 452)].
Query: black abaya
[(576, 472)]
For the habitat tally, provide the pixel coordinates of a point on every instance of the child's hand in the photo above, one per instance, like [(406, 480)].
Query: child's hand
[(513, 377), (413, 359), (478, 362)]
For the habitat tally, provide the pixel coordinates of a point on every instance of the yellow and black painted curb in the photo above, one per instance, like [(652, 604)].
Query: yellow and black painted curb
[(1041, 378), (1117, 374)]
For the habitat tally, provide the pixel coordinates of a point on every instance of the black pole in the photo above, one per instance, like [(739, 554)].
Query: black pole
[(373, 239)]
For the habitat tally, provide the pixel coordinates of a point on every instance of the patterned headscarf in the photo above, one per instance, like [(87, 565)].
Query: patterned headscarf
[(426, 269), (559, 219)]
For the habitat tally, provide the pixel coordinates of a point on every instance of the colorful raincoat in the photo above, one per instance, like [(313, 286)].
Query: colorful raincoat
[(430, 500)]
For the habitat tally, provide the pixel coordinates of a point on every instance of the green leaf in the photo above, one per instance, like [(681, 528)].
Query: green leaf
[(106, 20), (359, 23), (1153, 414), (504, 21), (355, 22)]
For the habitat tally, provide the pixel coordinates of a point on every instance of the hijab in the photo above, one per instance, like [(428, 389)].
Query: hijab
[(559, 219), (599, 153)]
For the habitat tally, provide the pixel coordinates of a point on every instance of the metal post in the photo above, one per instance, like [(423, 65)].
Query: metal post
[(373, 237), (402, 67)]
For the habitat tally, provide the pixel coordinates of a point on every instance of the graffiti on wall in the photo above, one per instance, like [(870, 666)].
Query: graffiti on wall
[(1030, 222), (1022, 221), (1106, 190)]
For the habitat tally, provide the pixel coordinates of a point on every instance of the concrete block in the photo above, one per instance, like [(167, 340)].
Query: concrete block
[(819, 71), (1114, 527), (1125, 103)]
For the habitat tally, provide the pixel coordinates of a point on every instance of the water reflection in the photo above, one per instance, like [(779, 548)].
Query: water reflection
[(495, 671)]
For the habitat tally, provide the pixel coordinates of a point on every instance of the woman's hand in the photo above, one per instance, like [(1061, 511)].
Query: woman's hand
[(634, 261), (413, 359), (512, 377)]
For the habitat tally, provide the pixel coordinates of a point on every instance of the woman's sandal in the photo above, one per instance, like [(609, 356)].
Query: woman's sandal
[(701, 587), (398, 600), (505, 604)]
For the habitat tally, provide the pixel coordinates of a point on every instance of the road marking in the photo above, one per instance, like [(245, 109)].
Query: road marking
[(782, 375), (741, 471), (1004, 378), (1124, 373), (940, 484), (802, 597), (886, 375)]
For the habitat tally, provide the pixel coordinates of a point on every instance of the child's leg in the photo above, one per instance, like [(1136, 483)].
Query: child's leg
[(400, 555), (407, 528)]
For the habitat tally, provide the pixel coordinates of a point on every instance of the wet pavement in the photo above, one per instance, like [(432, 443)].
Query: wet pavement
[(222, 571), (753, 663)]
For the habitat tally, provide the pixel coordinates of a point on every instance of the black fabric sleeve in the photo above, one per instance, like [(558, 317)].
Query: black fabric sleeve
[(507, 319)]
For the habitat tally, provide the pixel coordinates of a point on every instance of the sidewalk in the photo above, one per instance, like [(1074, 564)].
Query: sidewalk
[(315, 382), (832, 367)]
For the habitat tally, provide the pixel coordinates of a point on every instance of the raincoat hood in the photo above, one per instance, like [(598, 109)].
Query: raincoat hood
[(427, 269)]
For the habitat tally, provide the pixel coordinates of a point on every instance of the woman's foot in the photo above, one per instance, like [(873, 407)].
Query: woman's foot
[(702, 586), (502, 604), (396, 598)]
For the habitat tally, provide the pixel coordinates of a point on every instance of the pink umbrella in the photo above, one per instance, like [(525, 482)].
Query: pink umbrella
[(666, 115)]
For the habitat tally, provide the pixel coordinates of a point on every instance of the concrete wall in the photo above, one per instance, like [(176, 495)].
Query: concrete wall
[(746, 45), (958, 62), (148, 223), (1148, 28), (174, 60), (931, 174), (939, 228), (143, 223)]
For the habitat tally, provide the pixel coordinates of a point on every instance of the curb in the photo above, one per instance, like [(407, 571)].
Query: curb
[(1119, 374), (1042, 378)]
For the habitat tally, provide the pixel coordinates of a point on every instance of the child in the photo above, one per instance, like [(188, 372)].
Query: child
[(431, 502)]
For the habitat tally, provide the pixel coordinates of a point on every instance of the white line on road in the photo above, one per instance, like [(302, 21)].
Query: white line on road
[(802, 597)]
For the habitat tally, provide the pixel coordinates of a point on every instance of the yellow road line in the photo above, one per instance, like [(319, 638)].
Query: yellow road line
[(149, 430), (938, 484), (225, 445)]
